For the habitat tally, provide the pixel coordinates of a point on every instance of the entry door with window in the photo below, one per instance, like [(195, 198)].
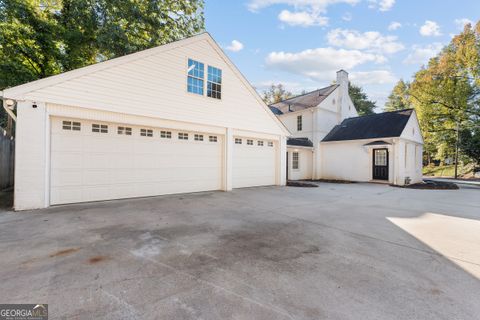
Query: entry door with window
[(380, 164)]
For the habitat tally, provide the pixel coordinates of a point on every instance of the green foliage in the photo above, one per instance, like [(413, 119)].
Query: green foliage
[(360, 100), (39, 38), (445, 93), (275, 93), (399, 98), (470, 143)]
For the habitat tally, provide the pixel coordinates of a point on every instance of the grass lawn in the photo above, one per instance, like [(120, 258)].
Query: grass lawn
[(445, 170)]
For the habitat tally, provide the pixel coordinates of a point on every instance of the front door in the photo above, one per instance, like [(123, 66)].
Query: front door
[(380, 164)]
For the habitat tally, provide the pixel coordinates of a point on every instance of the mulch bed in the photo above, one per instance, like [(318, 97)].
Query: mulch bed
[(333, 181), (301, 184), (432, 185)]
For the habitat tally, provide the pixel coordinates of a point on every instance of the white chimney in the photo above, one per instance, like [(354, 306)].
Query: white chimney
[(342, 79), (342, 106)]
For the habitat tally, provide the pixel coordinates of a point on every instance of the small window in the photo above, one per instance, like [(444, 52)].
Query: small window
[(146, 132), (260, 143), (212, 138), (198, 137), (67, 125), (295, 158), (238, 141), (270, 143), (195, 77), (102, 128), (76, 126), (299, 123), (333, 101), (124, 130), (182, 136), (166, 134), (250, 142), (214, 83)]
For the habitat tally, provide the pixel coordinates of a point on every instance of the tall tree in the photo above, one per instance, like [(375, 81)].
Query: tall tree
[(399, 99), (276, 93), (39, 38), (360, 100)]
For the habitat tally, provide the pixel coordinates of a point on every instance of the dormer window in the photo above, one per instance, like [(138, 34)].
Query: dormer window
[(299, 123), (195, 77)]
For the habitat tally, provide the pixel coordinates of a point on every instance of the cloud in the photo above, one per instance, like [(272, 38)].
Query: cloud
[(462, 22), (235, 46), (371, 41), (373, 77), (382, 5), (394, 25), (421, 54), (319, 63), (430, 28), (302, 18), (347, 16), (314, 5)]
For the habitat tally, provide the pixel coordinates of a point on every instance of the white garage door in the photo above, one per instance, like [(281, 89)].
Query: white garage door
[(99, 161), (253, 162)]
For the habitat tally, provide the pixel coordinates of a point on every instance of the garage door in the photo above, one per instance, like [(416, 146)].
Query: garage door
[(253, 162), (99, 161)]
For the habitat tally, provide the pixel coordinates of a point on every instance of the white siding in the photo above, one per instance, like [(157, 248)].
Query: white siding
[(304, 170), (155, 85)]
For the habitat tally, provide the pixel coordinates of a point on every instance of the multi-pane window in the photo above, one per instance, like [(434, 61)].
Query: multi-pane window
[(102, 128), (295, 158), (250, 142), (124, 130), (71, 125), (299, 123), (270, 143), (260, 143), (146, 132), (214, 83), (212, 138), (195, 77), (166, 134), (238, 141), (182, 136), (381, 157), (198, 137)]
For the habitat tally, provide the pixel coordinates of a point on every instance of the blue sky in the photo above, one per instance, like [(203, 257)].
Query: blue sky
[(301, 43)]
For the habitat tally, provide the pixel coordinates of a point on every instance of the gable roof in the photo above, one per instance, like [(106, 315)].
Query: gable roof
[(304, 101), (374, 126), (85, 87)]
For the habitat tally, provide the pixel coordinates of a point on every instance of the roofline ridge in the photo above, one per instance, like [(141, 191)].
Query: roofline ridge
[(377, 114), (304, 94)]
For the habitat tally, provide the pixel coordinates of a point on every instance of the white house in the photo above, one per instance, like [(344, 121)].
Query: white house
[(172, 119), (330, 141)]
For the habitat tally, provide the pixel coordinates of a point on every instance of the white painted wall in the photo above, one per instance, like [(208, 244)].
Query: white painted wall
[(304, 170)]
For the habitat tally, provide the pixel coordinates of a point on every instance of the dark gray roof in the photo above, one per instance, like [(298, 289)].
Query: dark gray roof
[(301, 142), (304, 101), (374, 126)]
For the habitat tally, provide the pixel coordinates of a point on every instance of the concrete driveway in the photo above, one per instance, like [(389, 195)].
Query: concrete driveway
[(340, 251)]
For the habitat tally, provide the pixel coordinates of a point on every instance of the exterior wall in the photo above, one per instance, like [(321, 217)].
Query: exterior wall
[(351, 161), (304, 170), (153, 83), (289, 120), (409, 161), (32, 136)]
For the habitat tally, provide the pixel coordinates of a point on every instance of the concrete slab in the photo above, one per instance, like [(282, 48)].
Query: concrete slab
[(340, 251)]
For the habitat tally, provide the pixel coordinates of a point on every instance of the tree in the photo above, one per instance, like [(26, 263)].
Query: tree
[(470, 143), (360, 100), (399, 98), (39, 38), (275, 93)]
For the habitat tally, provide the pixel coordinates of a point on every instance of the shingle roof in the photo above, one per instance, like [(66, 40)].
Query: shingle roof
[(304, 101), (379, 125), (301, 142)]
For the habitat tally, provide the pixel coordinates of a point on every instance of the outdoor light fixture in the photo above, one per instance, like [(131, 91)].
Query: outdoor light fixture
[(34, 105)]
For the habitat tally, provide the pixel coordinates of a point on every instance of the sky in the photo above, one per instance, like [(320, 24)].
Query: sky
[(302, 43)]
